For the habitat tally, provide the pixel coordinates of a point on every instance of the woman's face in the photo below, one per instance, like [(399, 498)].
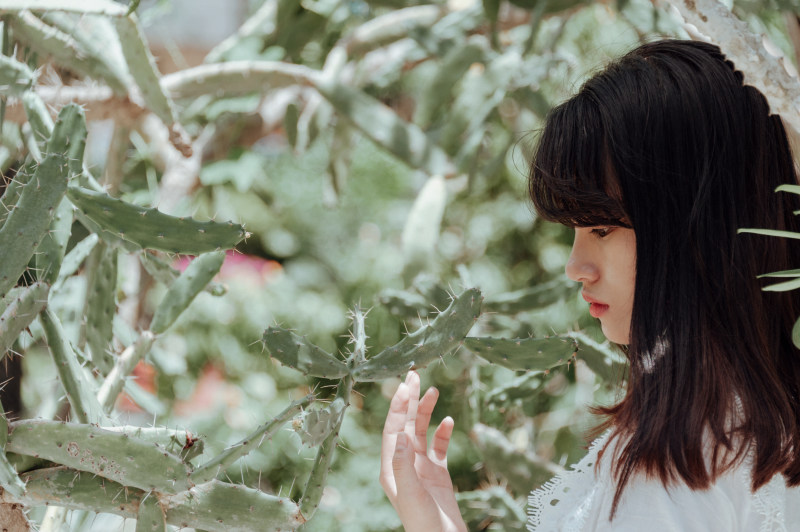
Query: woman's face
[(604, 260)]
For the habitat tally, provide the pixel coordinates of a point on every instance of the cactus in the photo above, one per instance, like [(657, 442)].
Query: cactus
[(151, 229), (428, 343), (101, 304), (110, 455), (296, 352), (529, 354), (28, 222), (212, 468), (21, 312), (185, 288)]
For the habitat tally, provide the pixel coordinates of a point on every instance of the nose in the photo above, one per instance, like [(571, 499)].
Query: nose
[(580, 266)]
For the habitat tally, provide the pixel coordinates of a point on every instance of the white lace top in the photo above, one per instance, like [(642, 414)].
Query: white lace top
[(580, 501)]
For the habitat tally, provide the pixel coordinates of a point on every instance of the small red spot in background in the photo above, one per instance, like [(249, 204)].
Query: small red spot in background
[(238, 267)]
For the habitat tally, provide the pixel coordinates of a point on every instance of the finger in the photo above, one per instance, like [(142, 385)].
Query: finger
[(395, 422), (441, 440), (413, 503), (412, 381), (424, 412)]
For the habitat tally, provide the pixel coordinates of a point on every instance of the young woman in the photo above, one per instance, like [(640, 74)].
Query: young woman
[(656, 163)]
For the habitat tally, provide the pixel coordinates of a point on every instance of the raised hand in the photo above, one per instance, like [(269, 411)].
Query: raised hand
[(414, 477)]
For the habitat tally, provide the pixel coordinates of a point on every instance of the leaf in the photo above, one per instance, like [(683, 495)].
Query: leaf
[(783, 287), (771, 232), (794, 189)]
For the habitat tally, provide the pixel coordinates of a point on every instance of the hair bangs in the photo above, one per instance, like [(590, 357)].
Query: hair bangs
[(572, 176)]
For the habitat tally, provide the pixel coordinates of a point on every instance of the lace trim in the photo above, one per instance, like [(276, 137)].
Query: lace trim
[(770, 499), (576, 489)]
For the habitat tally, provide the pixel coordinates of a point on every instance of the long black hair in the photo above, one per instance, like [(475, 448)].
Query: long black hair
[(668, 140)]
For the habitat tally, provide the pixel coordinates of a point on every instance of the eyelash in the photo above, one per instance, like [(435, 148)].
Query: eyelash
[(602, 232)]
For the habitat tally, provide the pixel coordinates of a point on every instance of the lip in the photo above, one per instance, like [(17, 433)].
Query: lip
[(596, 307)]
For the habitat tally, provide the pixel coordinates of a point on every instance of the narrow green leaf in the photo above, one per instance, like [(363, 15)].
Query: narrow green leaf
[(796, 334), (794, 189), (783, 287), (771, 232), (784, 273)]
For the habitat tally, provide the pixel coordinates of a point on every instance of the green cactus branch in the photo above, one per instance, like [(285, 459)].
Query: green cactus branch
[(426, 344), (152, 229), (9, 479), (180, 442), (297, 352), (114, 382), (143, 69), (30, 218), (322, 463), (528, 354), (98, 7), (20, 313), (221, 462), (185, 288), (235, 78), (112, 455), (391, 27), (151, 516), (15, 78), (100, 304), (536, 297), (79, 389), (214, 506), (63, 48)]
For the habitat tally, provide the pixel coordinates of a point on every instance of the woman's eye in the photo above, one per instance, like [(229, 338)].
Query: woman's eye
[(602, 232)]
